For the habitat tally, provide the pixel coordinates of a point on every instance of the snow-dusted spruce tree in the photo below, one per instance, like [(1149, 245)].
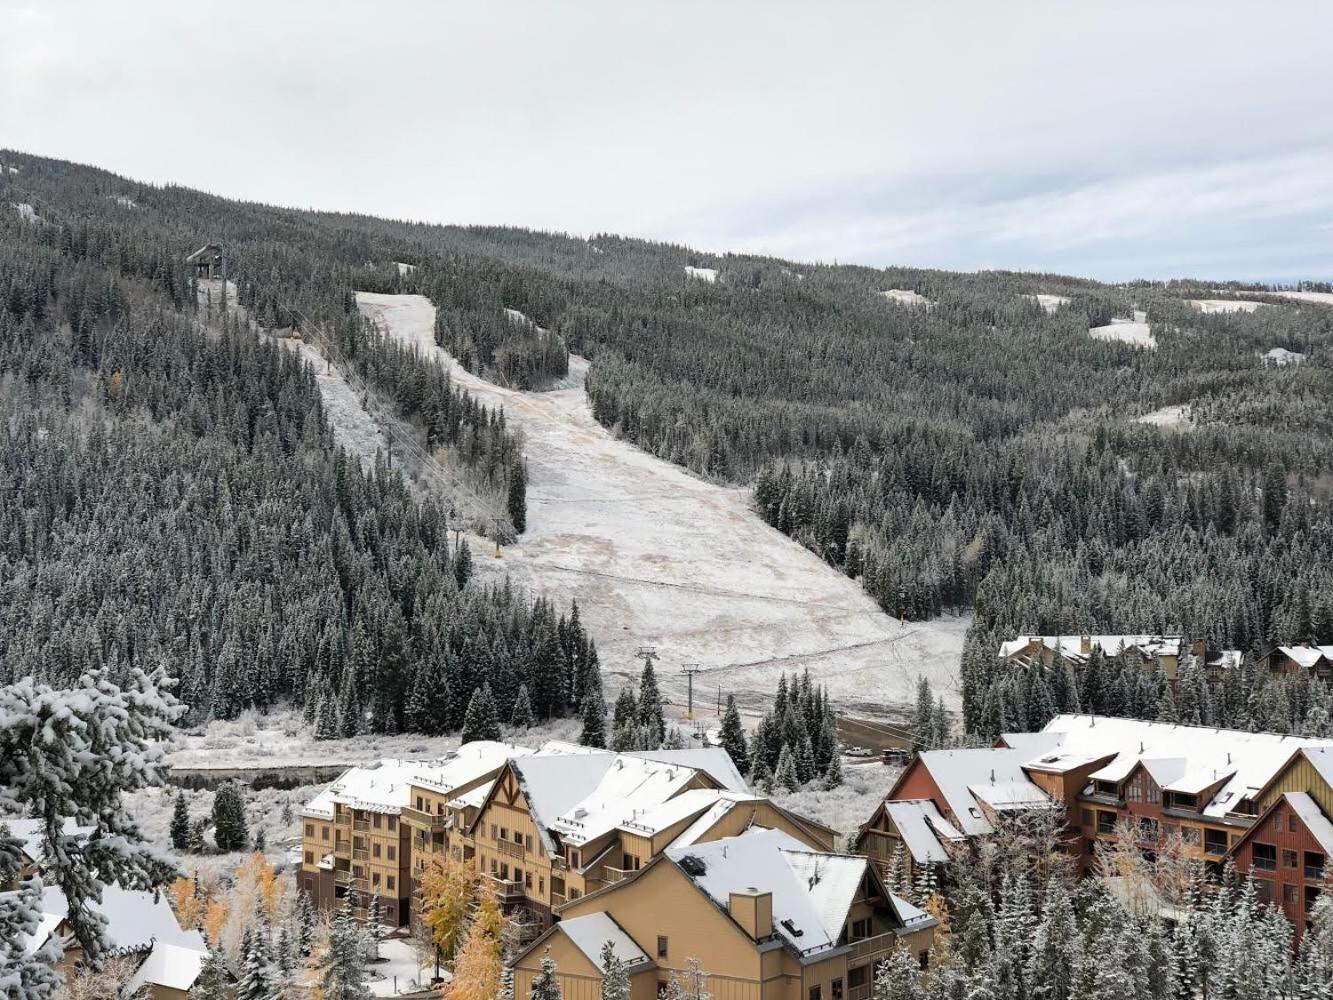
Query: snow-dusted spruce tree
[(481, 721), (71, 754), (1055, 947), (732, 736), (375, 926), (593, 709), (785, 776), (897, 977), (230, 832), (615, 980), (180, 824), (259, 980), (522, 720), (651, 716), (212, 981), (546, 985), (342, 968)]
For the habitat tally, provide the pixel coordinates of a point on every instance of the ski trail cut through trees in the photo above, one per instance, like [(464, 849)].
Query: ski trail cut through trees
[(656, 556)]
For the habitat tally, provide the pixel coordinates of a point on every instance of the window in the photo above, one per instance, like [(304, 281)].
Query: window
[(860, 929), (393, 823), (836, 992), (389, 881), (857, 977), (1105, 822), (574, 894), (375, 821), (1292, 825), (527, 880), (310, 857), (518, 874), (816, 993), (1277, 823), (1153, 795), (375, 849), (661, 946), (504, 871), (421, 806), (323, 833), (393, 852), (541, 885), (1264, 857), (504, 834), (492, 831), (1288, 858), (1135, 792), (1289, 894), (528, 841), (310, 830), (923, 959), (494, 866)]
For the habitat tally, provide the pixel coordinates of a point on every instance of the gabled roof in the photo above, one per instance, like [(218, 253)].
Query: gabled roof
[(1071, 646), (812, 891), (1308, 656), (386, 786), (1321, 829), (135, 919), (201, 251), (30, 833), (629, 788), (713, 761), (172, 966), (923, 829), (1194, 759), (553, 785), (993, 774), (1321, 759), (590, 932)]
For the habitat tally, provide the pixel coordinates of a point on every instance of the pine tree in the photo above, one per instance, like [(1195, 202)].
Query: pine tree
[(375, 924), (258, 981), (481, 721), (305, 924), (180, 824), (732, 736), (923, 722), (546, 984), (213, 976), (229, 828), (615, 980), (651, 716), (522, 718), (593, 710), (342, 967), (625, 723), (517, 498), (897, 978), (785, 776), (761, 778)]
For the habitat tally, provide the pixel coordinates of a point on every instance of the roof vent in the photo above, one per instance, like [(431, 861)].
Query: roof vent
[(693, 865), (580, 812), (792, 929)]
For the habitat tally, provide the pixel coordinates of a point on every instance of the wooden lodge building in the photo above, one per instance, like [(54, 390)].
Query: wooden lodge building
[(1218, 790), (1168, 653), (763, 915), (544, 828)]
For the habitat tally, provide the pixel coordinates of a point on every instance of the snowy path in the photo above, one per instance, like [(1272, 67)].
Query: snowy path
[(658, 557)]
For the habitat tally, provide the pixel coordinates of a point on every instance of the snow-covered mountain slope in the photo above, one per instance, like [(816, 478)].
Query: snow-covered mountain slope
[(656, 556)]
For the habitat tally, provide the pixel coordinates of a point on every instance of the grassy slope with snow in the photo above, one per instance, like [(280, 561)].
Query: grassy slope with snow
[(658, 557)]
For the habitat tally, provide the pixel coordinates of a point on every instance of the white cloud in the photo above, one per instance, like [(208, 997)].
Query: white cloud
[(693, 119)]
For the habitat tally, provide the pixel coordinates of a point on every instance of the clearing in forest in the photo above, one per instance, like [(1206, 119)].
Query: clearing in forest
[(656, 556)]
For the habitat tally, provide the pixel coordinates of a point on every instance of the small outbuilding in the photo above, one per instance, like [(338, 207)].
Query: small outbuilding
[(208, 262)]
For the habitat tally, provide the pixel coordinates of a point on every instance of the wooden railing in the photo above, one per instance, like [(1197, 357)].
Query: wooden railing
[(506, 889), (871, 946), (510, 848), (430, 820)]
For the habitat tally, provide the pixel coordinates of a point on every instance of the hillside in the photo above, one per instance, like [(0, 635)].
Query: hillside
[(952, 444)]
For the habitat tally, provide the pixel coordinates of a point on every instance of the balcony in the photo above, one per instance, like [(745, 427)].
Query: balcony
[(426, 820), (558, 864), (614, 875), (510, 848), (866, 947), (361, 825), (1314, 873), (1262, 864), (557, 899), (505, 889), (360, 854)]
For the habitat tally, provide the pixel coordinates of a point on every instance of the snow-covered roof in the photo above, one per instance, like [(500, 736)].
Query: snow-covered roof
[(991, 774), (555, 784), (713, 761), (172, 966), (1315, 821), (812, 892), (1226, 659), (386, 786), (1072, 647), (135, 918), (589, 933), (1321, 759), (923, 829), (29, 833), (1308, 656), (723, 803), (630, 789), (1191, 758)]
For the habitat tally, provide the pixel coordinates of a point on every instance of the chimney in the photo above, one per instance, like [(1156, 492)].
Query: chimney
[(1085, 644), (753, 910)]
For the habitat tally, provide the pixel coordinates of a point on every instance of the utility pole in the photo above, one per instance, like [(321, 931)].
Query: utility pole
[(689, 670), (647, 654)]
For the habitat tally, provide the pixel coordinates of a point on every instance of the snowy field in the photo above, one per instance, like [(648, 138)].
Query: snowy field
[(1049, 302), (1130, 331), (656, 556), (1281, 356), (1213, 306), (1177, 417), (906, 297), (1320, 298), (708, 274), (353, 426)]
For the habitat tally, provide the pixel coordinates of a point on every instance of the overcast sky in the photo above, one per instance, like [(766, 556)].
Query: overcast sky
[(1110, 139)]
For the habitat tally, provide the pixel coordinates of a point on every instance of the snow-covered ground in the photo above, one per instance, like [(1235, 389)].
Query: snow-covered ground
[(1177, 416), (404, 269), (708, 274), (1320, 298), (353, 426), (26, 212), (1049, 302), (1131, 331), (848, 806), (906, 297), (656, 556), (1281, 356), (1210, 306)]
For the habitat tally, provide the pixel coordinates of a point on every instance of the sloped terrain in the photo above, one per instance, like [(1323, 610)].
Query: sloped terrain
[(656, 556)]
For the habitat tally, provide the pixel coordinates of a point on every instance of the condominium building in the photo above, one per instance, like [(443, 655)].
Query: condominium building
[(761, 915)]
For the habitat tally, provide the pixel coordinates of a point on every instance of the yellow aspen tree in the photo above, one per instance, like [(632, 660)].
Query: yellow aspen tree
[(478, 971), (448, 889)]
